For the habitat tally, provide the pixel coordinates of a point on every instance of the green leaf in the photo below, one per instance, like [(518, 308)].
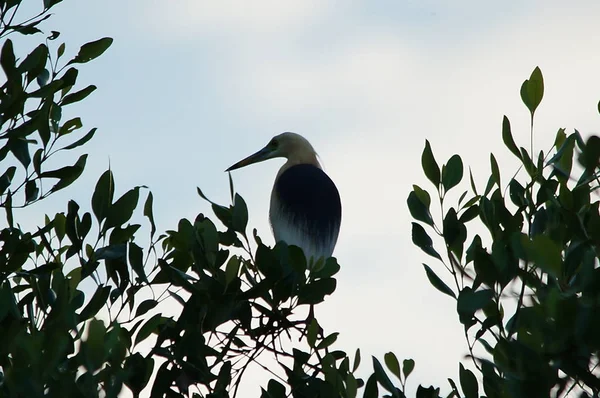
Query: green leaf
[(392, 364), (148, 328), (20, 149), (316, 291), (407, 367), (145, 306), (69, 126), (423, 241), (78, 95), (437, 282), (312, 332), (468, 383), (97, 301), (93, 346), (495, 170), (470, 301), (6, 178), (136, 260), (121, 211), (82, 140), (422, 195), (103, 195), (356, 360), (92, 50), (351, 386), (507, 137), (418, 210), (149, 212), (31, 191), (545, 253), (371, 389), (232, 270), (66, 175), (239, 215), (382, 377), (327, 341), (430, 166), (452, 173), (532, 90)]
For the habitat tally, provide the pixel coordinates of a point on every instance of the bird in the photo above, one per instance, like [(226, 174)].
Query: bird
[(305, 208)]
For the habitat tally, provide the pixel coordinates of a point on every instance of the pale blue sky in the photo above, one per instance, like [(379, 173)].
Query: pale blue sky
[(190, 87)]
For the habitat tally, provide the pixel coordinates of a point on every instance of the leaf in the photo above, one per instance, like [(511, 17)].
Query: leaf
[(532, 90), (470, 301), (92, 50), (507, 137), (149, 212), (392, 364), (546, 254), (356, 360), (66, 175), (430, 166), (103, 195), (31, 191), (239, 215), (145, 306), (437, 282), (121, 211), (97, 301), (371, 390), (136, 260), (422, 195), (148, 328), (232, 270), (327, 341), (423, 241), (407, 367), (78, 95), (452, 173), (468, 383), (69, 126), (418, 210), (495, 170), (382, 377), (20, 149), (82, 140), (311, 333), (316, 291), (6, 178)]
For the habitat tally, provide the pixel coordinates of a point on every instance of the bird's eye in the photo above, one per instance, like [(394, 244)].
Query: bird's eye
[(273, 143)]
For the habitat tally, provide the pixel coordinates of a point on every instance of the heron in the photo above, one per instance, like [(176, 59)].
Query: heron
[(305, 208)]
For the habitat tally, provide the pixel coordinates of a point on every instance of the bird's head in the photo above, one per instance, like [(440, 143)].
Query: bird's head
[(291, 146)]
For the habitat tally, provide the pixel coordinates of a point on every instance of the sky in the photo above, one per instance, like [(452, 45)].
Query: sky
[(190, 87)]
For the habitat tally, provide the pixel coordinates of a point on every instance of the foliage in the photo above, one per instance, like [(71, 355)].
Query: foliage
[(83, 303), (528, 293)]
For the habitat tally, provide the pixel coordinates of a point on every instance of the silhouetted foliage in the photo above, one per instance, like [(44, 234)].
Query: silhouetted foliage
[(81, 298)]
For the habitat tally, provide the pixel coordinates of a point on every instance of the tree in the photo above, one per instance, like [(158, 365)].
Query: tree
[(62, 338)]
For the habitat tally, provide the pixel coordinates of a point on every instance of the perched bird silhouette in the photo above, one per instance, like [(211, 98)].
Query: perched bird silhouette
[(306, 209)]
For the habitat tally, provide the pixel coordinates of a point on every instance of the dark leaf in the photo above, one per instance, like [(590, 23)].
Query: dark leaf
[(148, 328), (468, 383), (91, 50), (508, 138), (78, 95), (239, 214), (82, 140), (149, 212), (430, 166), (382, 377), (437, 282), (66, 175), (452, 173), (408, 366), (422, 239), (417, 209), (532, 90), (392, 364), (145, 306), (103, 195), (121, 211), (136, 260), (97, 301)]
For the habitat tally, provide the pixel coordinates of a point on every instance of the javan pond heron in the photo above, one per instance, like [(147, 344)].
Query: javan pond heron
[(305, 210)]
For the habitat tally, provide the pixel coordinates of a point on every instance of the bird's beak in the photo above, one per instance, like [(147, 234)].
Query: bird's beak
[(263, 154)]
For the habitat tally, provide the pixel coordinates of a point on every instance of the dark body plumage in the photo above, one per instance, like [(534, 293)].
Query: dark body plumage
[(306, 210)]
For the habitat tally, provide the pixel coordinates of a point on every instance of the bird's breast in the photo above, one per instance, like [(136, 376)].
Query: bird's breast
[(306, 210)]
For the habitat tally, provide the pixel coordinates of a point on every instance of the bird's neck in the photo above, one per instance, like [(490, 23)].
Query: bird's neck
[(305, 159)]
